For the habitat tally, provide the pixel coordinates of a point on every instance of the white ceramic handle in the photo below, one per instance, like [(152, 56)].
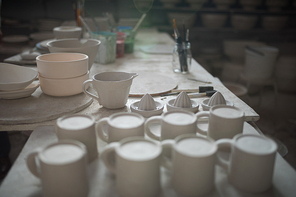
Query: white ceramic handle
[(166, 158), (31, 163), (200, 115), (84, 88), (108, 156), (100, 129), (222, 143), (154, 119)]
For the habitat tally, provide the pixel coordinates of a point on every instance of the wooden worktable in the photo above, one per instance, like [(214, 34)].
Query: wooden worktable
[(140, 62)]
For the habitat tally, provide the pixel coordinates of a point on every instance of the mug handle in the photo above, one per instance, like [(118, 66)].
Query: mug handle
[(166, 156), (32, 164), (108, 156), (84, 88), (154, 119), (200, 115), (223, 143), (100, 129)]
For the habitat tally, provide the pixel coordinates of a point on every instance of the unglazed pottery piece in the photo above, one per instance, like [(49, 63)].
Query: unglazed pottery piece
[(171, 124), (182, 101), (62, 87), (63, 32), (137, 163), (16, 94), (112, 88), (120, 125), (147, 107), (252, 161), (197, 153), (90, 47), (62, 65), (13, 77), (62, 168), (224, 122), (216, 99), (81, 128)]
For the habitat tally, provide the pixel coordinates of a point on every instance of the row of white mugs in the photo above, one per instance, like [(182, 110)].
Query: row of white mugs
[(190, 157)]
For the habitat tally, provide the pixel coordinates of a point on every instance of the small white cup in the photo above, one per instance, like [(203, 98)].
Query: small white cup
[(136, 166), (62, 168), (172, 124), (251, 163), (192, 164), (120, 125), (224, 121), (81, 128), (112, 88)]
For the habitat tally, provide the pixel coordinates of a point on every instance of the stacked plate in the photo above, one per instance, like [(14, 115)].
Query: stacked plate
[(16, 81)]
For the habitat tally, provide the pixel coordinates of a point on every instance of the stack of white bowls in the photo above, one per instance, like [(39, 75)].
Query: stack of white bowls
[(62, 74), (16, 81)]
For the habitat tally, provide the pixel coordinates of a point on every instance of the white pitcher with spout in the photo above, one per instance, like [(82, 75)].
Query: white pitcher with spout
[(112, 88)]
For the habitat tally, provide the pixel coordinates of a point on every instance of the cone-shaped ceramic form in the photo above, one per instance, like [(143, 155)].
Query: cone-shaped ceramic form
[(182, 101), (147, 103), (217, 99)]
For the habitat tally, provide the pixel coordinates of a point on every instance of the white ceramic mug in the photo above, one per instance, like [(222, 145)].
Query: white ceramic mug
[(192, 163), (120, 125), (112, 88), (136, 165), (224, 122), (172, 124), (62, 168), (251, 163), (81, 128)]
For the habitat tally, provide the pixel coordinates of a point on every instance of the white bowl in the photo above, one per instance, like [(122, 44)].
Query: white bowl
[(274, 23), (62, 87), (62, 65), (67, 32), (89, 47), (243, 22), (13, 77), (213, 20)]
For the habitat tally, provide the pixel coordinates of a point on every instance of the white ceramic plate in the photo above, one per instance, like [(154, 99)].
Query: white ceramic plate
[(20, 93), (15, 38)]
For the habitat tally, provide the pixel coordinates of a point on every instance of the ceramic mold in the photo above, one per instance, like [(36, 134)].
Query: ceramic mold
[(147, 107), (216, 99), (183, 103)]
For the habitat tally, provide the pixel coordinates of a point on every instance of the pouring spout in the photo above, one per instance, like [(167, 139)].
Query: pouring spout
[(134, 75)]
